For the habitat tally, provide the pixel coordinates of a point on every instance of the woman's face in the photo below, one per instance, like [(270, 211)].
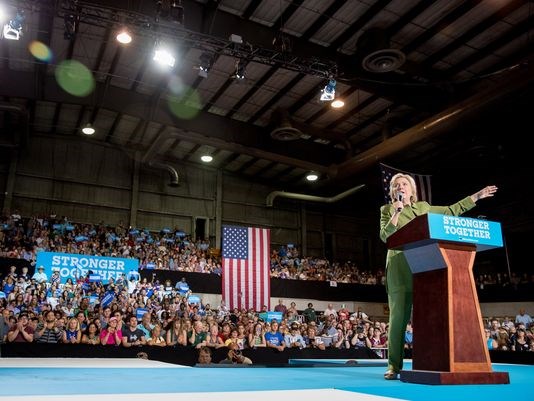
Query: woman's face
[(402, 185)]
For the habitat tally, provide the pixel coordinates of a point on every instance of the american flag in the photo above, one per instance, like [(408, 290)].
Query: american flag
[(246, 274), (424, 190)]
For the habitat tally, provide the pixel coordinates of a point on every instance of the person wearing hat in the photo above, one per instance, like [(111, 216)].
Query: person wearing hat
[(40, 276), (111, 335)]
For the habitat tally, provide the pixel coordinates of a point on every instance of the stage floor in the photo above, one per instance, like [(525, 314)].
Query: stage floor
[(137, 379)]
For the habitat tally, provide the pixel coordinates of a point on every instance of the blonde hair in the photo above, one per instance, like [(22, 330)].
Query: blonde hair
[(410, 179)]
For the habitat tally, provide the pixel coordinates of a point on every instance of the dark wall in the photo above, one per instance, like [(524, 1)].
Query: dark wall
[(177, 355)]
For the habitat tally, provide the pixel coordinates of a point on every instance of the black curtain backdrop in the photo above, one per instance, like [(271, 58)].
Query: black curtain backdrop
[(176, 355), (188, 356)]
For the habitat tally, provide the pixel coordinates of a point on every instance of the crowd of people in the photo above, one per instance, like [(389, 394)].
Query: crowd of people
[(23, 238), (37, 308)]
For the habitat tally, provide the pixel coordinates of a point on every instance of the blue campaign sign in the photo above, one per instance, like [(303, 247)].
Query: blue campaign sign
[(95, 278), (108, 298), (483, 233), (139, 312), (271, 315), (76, 265), (193, 299)]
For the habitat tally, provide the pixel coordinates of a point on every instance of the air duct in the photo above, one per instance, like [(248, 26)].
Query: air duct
[(150, 155), (311, 198), (284, 130), (373, 47)]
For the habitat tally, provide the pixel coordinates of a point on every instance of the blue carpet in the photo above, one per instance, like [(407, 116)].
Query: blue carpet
[(65, 381)]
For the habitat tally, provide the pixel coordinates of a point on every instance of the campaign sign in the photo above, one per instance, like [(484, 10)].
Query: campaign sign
[(193, 299), (139, 312), (108, 298), (75, 265), (485, 234), (269, 316)]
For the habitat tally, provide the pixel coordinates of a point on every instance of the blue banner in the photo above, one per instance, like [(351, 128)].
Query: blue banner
[(75, 265)]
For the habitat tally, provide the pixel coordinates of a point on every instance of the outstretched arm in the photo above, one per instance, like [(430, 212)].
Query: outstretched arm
[(485, 192)]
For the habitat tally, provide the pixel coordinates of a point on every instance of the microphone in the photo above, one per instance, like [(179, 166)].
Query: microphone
[(400, 197)]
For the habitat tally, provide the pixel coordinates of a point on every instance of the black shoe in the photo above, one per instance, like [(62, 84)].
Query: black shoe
[(391, 375)]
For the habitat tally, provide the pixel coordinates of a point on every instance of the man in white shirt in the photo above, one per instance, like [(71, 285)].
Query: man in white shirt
[(40, 276), (330, 311), (523, 318)]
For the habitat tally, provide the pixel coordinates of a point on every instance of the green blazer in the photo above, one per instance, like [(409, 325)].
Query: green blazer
[(398, 274)]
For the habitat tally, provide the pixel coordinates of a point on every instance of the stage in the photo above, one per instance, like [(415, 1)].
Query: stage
[(137, 379)]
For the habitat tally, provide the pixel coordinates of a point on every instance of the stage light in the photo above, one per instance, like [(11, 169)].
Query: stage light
[(13, 29), (70, 21), (206, 158), (164, 57), (124, 37), (239, 70), (312, 176), (338, 103), (329, 91), (88, 129), (206, 60)]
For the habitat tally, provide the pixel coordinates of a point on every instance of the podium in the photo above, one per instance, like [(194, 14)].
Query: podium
[(449, 345)]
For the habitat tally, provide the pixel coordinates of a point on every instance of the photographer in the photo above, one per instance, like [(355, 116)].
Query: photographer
[(360, 340), (47, 331), (234, 356)]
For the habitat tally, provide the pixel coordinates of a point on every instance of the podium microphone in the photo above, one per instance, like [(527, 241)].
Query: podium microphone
[(400, 197)]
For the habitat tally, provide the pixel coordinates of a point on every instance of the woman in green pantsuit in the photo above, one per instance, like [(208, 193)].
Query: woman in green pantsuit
[(405, 207)]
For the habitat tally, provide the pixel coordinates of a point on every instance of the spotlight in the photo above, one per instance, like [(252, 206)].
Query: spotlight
[(164, 57), (205, 64), (124, 37), (206, 158), (239, 70), (13, 29), (329, 91), (71, 26), (338, 103), (312, 176), (88, 129)]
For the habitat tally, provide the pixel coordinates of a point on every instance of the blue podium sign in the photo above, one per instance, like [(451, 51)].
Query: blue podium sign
[(482, 233)]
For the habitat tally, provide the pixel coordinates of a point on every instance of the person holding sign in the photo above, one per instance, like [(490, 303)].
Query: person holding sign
[(403, 208)]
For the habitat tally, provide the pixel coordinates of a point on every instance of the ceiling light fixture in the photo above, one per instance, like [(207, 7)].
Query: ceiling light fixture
[(206, 158), (70, 24), (312, 176), (164, 57), (88, 129), (124, 37), (239, 69), (13, 29), (206, 60), (329, 91), (338, 103)]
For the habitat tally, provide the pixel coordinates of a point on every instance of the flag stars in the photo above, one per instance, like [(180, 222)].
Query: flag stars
[(235, 242)]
